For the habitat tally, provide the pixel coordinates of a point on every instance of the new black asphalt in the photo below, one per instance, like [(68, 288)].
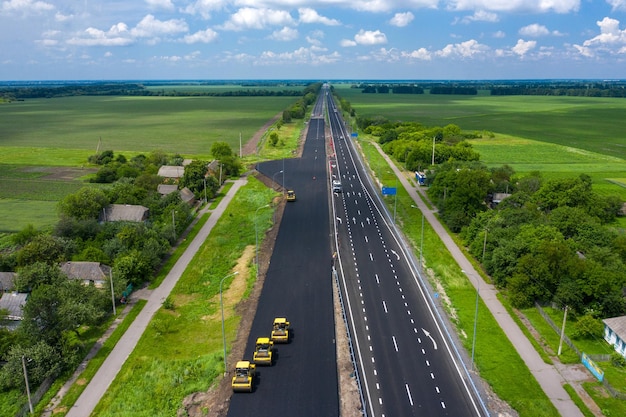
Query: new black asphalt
[(298, 286)]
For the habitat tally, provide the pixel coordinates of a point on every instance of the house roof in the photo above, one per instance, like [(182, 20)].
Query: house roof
[(7, 282), (13, 302), (125, 212), (171, 171), (165, 189), (618, 325), (187, 195), (93, 271)]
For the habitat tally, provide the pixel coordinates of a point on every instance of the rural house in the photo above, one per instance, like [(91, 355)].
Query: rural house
[(171, 171), (165, 189), (90, 273), (7, 282), (13, 302), (124, 213), (615, 333), (186, 194)]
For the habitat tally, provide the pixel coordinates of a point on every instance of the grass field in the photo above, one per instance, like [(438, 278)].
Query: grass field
[(184, 125), (64, 132), (587, 123), (557, 136)]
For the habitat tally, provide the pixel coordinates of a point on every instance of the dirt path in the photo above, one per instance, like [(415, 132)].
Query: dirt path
[(250, 147)]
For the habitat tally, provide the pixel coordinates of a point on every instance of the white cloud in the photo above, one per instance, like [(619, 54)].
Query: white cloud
[(117, 35), (302, 55), (315, 38), (347, 43), (481, 16), (26, 6), (610, 34), (617, 4), (60, 17), (522, 47), (401, 19), (202, 36), (251, 18), (611, 40), (308, 15), (204, 8), (467, 49), (150, 27), (422, 54), (120, 35), (369, 37), (160, 4), (533, 6), (285, 34), (535, 30), (499, 34)]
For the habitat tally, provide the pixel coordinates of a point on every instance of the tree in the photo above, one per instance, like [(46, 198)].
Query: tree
[(41, 360), (36, 274), (220, 150), (45, 248), (194, 175), (273, 139), (86, 203)]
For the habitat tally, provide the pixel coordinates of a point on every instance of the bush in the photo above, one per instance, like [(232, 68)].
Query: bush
[(618, 360), (587, 327)]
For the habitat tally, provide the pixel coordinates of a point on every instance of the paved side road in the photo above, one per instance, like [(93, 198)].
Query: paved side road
[(112, 365), (548, 376)]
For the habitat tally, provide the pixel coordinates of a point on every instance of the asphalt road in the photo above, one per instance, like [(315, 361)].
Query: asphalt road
[(298, 286), (407, 364)]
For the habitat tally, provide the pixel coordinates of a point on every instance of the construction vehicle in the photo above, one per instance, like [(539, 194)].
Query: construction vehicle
[(280, 330), (263, 351), (291, 195), (243, 380)]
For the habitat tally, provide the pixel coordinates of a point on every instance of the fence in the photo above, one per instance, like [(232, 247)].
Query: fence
[(35, 397), (596, 358)]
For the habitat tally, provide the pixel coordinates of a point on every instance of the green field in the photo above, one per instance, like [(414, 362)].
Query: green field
[(557, 136), (184, 125), (64, 132), (587, 123)]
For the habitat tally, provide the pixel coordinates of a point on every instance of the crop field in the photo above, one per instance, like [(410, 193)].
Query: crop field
[(558, 136), (588, 123), (216, 88), (41, 139), (184, 125)]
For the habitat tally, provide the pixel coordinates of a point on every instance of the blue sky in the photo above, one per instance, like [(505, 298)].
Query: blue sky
[(312, 39)]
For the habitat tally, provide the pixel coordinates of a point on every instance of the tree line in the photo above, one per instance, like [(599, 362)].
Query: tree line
[(131, 89)]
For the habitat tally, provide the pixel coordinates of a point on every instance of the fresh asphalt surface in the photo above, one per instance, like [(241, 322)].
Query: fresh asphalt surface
[(298, 286)]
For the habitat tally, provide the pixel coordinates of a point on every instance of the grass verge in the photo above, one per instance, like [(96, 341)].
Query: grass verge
[(189, 356)]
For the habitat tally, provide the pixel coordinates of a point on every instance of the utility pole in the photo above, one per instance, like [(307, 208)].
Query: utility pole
[(562, 332)]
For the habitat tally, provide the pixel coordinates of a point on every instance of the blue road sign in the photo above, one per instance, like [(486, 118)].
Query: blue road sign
[(389, 190)]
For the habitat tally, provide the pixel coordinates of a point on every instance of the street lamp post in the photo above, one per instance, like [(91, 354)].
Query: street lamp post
[(256, 240), (30, 403), (475, 316), (205, 199), (274, 176), (222, 308)]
